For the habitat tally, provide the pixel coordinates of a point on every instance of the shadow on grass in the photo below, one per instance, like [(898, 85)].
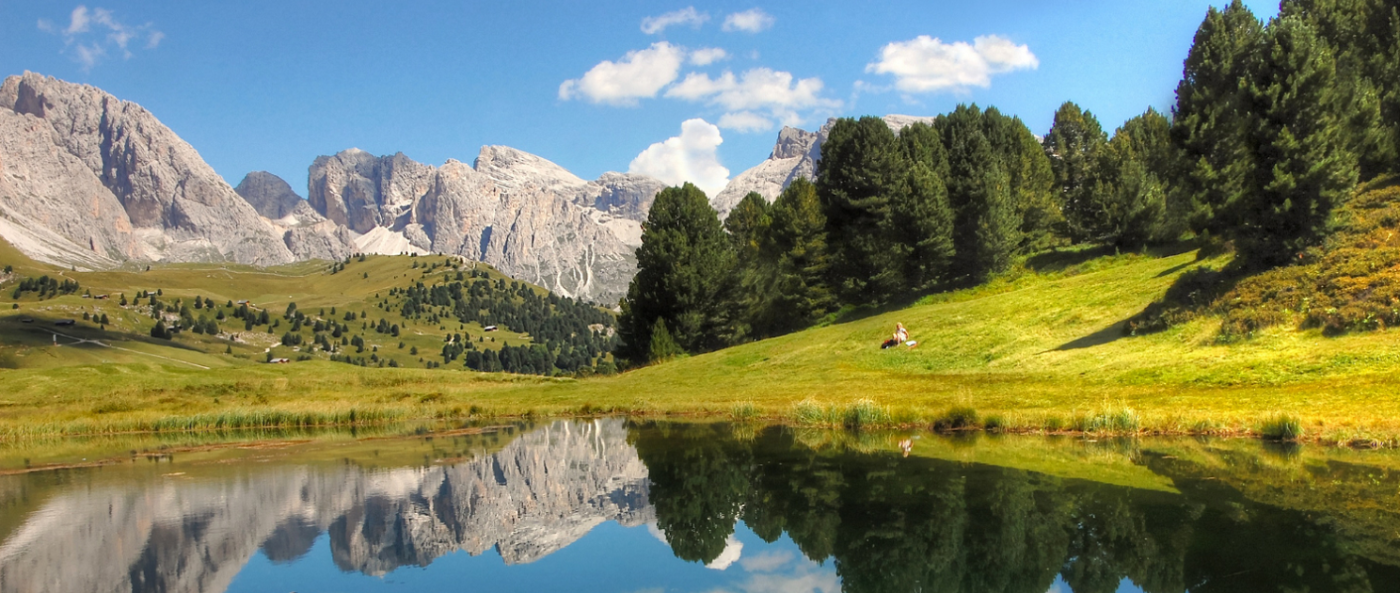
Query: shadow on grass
[(39, 332), (1098, 338), (1058, 260), (1174, 269)]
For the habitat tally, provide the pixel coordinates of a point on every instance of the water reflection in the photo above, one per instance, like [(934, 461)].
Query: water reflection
[(604, 505)]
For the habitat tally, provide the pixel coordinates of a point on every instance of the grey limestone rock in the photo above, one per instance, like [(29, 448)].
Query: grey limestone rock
[(178, 207)]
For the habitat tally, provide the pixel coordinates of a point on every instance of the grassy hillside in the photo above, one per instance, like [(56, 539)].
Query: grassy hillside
[(1041, 349), (355, 296)]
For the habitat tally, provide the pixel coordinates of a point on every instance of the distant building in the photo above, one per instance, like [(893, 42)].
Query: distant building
[(489, 328)]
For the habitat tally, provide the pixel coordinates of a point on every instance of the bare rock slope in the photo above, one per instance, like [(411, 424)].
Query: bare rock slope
[(519, 212), (172, 205)]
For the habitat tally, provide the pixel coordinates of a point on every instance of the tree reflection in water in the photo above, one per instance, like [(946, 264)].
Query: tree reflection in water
[(891, 523)]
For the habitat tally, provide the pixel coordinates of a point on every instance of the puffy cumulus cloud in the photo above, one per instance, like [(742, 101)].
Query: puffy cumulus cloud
[(692, 156), (91, 32), (639, 74), (745, 121), (927, 65), (686, 16), (707, 55), (752, 20), (773, 92)]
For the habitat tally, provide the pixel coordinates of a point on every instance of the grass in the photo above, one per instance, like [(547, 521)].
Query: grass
[(1041, 350)]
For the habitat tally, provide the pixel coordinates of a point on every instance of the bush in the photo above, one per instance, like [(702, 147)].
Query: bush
[(960, 418)]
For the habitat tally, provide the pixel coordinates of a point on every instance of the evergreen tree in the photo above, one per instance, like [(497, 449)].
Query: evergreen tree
[(1032, 181), (791, 275), (1073, 147), (1365, 39), (923, 223), (1129, 197), (745, 224), (742, 294), (662, 347), (1303, 163), (682, 266), (985, 228), (859, 171), (1210, 119)]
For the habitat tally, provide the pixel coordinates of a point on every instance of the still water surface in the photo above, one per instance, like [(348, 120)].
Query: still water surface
[(610, 506)]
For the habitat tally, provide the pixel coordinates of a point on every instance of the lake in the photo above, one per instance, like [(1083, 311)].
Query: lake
[(619, 506)]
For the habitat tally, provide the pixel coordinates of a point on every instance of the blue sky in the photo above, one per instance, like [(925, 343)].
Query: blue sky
[(593, 86)]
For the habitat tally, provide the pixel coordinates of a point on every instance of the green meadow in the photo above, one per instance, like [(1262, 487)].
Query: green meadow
[(1041, 349)]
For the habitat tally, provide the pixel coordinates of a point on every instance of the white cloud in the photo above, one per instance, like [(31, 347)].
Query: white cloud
[(78, 21), (927, 65), (733, 549), (87, 47), (691, 156), (760, 89), (767, 561), (88, 55), (639, 74), (708, 55), (745, 122), (752, 20), (686, 16)]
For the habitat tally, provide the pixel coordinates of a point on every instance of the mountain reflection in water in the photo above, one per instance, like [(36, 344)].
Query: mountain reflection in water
[(696, 507)]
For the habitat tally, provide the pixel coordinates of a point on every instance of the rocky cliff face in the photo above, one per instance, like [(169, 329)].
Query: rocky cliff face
[(269, 194), (177, 208), (794, 155), (539, 494), (511, 209)]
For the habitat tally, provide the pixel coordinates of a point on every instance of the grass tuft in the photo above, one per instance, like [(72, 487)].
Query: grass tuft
[(865, 413), (1283, 427)]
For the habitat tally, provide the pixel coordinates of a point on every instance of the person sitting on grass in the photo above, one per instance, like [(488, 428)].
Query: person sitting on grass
[(901, 336)]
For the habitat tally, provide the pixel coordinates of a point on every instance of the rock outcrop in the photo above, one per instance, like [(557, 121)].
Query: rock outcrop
[(537, 495), (177, 207), (269, 194)]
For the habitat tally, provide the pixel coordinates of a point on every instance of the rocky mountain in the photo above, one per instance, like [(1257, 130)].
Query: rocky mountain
[(795, 155), (529, 217), (537, 495), (91, 180)]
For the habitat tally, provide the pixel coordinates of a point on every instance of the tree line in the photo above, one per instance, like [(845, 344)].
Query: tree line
[(1273, 125)]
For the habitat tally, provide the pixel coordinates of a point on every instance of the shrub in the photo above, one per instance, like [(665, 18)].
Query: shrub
[(957, 419)]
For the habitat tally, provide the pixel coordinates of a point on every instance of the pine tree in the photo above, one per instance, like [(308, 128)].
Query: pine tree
[(985, 227), (745, 224), (1073, 147), (1210, 119), (923, 222), (1365, 39), (662, 347), (1303, 163), (790, 279), (859, 171), (682, 267), (1031, 177)]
